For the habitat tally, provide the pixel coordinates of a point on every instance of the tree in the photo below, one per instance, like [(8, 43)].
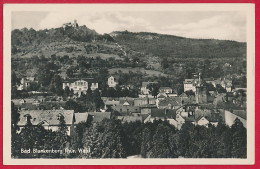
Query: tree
[(133, 138), (69, 72), (184, 139), (154, 89), (56, 85), (161, 147), (73, 105), (97, 100), (105, 140), (164, 63), (61, 136), (14, 128), (239, 140), (67, 91), (31, 137), (15, 81), (190, 93), (146, 142), (220, 89), (44, 75)]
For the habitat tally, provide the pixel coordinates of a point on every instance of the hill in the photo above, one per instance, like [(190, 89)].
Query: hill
[(30, 41), (169, 46)]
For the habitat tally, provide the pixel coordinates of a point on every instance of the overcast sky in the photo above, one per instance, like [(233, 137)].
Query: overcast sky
[(216, 25)]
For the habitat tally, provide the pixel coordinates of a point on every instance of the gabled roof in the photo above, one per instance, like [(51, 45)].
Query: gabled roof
[(72, 80), (130, 102), (99, 116), (111, 102), (163, 113), (240, 113), (208, 114), (188, 81), (162, 95), (130, 118), (80, 117), (174, 101), (124, 108), (183, 95), (50, 116)]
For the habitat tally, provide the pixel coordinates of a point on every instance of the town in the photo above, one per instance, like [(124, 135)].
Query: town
[(77, 100)]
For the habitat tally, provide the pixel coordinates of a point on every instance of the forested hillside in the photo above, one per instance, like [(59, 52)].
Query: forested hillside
[(179, 47)]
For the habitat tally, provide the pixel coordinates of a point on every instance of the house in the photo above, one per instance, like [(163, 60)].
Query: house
[(110, 103), (166, 90), (171, 103), (111, 81), (126, 102), (99, 116), (189, 84), (164, 115), (147, 109), (206, 120), (126, 109), (225, 83), (180, 121), (206, 117), (162, 96), (49, 119), (25, 83), (129, 119), (230, 117), (144, 89), (144, 101), (80, 117), (80, 85)]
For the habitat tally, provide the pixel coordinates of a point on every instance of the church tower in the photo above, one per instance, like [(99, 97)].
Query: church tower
[(201, 91)]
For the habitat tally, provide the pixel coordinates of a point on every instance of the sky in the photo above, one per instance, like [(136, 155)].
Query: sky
[(229, 25)]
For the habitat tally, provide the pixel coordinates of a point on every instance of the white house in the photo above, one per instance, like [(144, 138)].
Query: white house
[(166, 90), (79, 85), (189, 84), (111, 81)]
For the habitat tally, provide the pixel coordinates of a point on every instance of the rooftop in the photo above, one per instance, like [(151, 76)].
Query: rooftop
[(47, 116)]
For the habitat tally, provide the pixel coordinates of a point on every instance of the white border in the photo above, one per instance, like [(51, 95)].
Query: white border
[(248, 8)]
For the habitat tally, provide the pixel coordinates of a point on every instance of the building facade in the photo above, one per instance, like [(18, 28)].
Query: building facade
[(111, 81), (80, 85)]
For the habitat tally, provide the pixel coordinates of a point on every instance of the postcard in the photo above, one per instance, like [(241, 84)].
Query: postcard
[(129, 84)]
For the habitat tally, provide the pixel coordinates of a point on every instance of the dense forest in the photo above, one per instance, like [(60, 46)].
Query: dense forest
[(169, 46)]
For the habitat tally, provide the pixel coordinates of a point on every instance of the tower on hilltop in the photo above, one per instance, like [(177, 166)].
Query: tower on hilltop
[(75, 24)]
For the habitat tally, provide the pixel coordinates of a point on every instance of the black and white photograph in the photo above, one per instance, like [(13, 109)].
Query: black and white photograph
[(166, 83)]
